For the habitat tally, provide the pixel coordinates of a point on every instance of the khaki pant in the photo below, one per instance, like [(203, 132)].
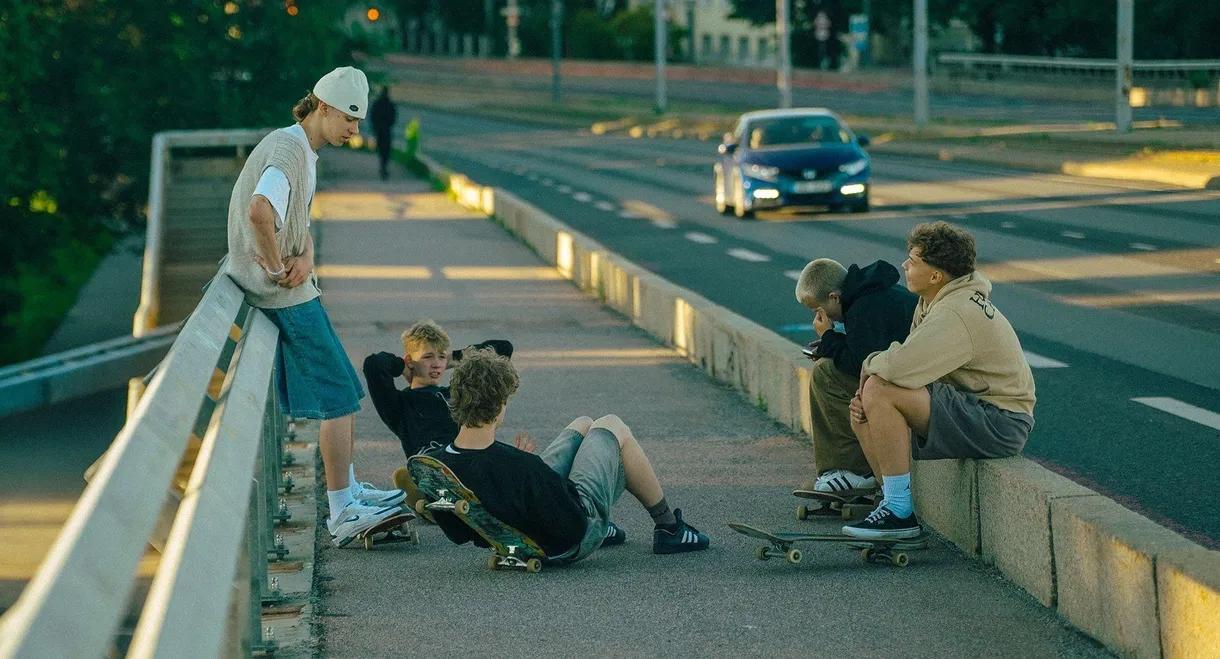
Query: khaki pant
[(834, 444)]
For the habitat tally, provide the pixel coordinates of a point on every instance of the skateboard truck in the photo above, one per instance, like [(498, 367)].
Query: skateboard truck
[(513, 561)]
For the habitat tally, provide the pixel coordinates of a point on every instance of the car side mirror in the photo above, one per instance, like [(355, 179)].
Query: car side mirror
[(863, 140), (727, 149)]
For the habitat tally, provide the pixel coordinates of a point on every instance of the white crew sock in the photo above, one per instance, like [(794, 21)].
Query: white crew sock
[(352, 483), (339, 499)]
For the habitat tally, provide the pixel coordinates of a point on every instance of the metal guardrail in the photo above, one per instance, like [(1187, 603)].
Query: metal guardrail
[(146, 318), (206, 596), (1016, 63), (81, 371)]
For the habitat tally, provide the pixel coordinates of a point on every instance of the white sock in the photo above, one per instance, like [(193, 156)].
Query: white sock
[(338, 501), (352, 483)]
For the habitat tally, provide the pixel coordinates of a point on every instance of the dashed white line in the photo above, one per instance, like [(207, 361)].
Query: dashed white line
[(564, 189), (1184, 410), (604, 206), (547, 182), (628, 215), (701, 238), (665, 224), (1143, 247), (1038, 361), (959, 216), (747, 255), (582, 197), (1008, 225), (1075, 235), (794, 275)]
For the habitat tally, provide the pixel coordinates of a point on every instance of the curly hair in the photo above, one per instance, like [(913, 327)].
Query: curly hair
[(943, 246), (425, 334), (304, 106), (479, 388)]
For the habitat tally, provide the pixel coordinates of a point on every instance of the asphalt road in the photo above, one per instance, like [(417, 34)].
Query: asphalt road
[(749, 96), (1112, 287)]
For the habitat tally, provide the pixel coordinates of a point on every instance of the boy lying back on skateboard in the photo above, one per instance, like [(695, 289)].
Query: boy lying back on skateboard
[(563, 498), (418, 415)]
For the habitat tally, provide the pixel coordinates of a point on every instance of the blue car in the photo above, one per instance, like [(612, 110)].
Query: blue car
[(791, 158)]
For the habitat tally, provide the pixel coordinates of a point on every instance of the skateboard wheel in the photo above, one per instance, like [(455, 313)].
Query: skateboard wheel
[(900, 559), (802, 513), (866, 554), (421, 506), (494, 562), (533, 565), (794, 556), (762, 553), (461, 506), (368, 543)]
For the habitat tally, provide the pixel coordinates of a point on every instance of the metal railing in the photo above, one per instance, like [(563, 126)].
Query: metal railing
[(1074, 65), (214, 391), (146, 317)]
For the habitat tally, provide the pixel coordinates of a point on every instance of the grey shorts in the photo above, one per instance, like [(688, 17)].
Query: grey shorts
[(962, 425), (595, 464)]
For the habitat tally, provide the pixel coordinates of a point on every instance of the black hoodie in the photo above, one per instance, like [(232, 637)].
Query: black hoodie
[(876, 312)]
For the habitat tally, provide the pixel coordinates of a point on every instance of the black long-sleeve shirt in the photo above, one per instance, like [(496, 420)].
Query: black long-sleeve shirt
[(418, 417), (876, 312)]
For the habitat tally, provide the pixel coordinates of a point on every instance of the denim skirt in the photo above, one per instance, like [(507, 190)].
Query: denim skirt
[(315, 378)]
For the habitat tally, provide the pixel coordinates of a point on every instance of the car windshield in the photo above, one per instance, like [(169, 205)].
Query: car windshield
[(788, 131)]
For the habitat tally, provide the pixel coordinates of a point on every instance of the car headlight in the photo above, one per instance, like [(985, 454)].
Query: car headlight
[(855, 167), (761, 172)]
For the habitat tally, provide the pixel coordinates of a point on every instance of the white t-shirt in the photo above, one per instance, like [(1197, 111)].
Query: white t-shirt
[(273, 184)]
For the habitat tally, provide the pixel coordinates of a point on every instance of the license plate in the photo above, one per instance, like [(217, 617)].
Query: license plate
[(811, 187)]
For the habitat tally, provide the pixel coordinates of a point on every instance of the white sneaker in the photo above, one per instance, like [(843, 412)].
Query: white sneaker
[(839, 480), (357, 518), (370, 496)]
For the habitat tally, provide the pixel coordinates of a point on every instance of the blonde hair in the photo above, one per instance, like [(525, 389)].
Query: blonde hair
[(425, 334), (818, 280), (480, 387), (304, 106)]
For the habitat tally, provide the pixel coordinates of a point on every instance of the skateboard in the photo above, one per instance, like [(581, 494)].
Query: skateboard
[(392, 529), (847, 504), (443, 491), (894, 551), (402, 481)]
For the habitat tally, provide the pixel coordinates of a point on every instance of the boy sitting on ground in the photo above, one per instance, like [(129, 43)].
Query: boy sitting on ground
[(563, 498), (875, 311), (958, 387)]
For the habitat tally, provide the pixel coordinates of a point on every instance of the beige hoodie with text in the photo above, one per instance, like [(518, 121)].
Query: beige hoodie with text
[(962, 340)]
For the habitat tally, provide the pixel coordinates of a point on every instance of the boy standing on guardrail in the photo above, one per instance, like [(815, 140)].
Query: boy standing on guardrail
[(271, 257), (957, 387), (875, 311), (561, 499), (418, 415)]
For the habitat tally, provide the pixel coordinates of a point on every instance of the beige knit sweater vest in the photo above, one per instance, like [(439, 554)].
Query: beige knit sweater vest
[(286, 153)]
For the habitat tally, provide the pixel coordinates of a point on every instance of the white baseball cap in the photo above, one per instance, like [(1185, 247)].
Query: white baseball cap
[(345, 89)]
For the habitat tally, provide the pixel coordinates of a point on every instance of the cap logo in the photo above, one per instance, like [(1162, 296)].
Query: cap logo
[(354, 108)]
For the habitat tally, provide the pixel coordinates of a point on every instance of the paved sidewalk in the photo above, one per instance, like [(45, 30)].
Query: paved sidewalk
[(391, 253)]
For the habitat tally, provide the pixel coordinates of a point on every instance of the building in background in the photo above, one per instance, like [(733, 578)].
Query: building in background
[(717, 38)]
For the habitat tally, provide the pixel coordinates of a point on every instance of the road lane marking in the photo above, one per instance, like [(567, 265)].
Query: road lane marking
[(583, 197), (1072, 234), (793, 274), (628, 215), (1008, 225), (701, 238), (665, 224), (564, 189), (1184, 410), (1038, 361), (604, 206), (959, 216), (1143, 246), (747, 255)]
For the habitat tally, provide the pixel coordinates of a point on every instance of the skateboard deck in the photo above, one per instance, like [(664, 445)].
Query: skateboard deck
[(894, 551), (443, 491), (392, 529), (847, 504)]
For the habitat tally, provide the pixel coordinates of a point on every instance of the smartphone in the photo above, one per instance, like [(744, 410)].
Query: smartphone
[(808, 350)]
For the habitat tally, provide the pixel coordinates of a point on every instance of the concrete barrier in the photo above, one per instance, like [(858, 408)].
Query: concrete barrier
[(1139, 588)]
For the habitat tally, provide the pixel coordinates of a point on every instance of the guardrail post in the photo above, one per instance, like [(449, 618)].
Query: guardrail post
[(271, 508), (257, 575)]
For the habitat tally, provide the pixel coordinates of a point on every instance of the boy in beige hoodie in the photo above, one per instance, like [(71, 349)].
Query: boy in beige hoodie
[(957, 387)]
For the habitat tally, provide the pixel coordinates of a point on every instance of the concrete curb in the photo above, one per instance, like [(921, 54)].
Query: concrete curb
[(1140, 589)]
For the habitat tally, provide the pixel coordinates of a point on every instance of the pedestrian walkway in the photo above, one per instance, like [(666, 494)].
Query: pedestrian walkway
[(392, 253)]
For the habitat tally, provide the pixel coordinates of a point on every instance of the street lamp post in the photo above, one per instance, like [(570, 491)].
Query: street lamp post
[(556, 44), (784, 43), (660, 46), (1122, 78), (920, 63)]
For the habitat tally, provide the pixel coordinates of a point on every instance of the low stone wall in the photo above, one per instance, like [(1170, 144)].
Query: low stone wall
[(1140, 589)]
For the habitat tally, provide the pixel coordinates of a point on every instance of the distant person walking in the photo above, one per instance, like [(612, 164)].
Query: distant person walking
[(383, 115), (271, 257)]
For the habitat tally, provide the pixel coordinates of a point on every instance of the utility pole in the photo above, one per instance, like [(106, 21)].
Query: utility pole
[(659, 41), (784, 43), (1122, 78), (512, 17), (488, 26), (920, 63), (556, 45)]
